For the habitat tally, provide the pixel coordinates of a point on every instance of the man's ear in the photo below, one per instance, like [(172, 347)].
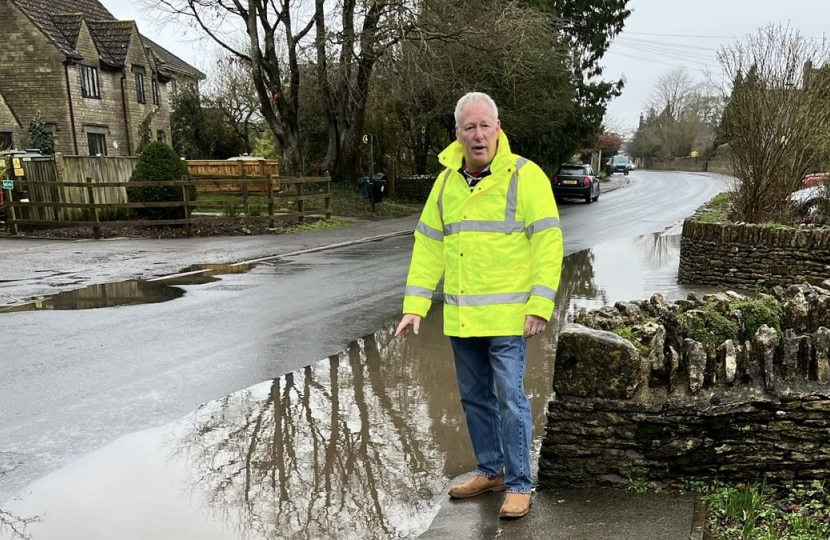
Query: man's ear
[(457, 133)]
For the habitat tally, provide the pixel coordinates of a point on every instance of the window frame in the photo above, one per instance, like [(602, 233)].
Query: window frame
[(101, 138), (140, 91), (89, 76), (154, 84), (3, 134)]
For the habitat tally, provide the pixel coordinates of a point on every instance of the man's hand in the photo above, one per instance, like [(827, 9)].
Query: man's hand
[(533, 326), (408, 319)]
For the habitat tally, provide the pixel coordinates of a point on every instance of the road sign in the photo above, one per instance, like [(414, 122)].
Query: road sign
[(365, 139), (8, 184)]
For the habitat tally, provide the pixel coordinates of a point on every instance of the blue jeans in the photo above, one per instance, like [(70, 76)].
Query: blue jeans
[(490, 373)]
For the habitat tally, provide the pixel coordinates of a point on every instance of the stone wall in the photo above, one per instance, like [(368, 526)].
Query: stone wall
[(33, 77), (691, 164), (662, 406), (744, 255), (413, 188)]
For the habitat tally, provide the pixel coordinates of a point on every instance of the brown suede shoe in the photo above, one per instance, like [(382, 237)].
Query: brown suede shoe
[(477, 485), (515, 505)]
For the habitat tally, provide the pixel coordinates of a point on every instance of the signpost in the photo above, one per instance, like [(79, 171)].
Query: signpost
[(8, 184)]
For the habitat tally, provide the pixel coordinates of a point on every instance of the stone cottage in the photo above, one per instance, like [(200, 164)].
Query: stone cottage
[(98, 83)]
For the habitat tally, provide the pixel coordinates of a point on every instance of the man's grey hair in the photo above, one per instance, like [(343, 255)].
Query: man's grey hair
[(471, 97)]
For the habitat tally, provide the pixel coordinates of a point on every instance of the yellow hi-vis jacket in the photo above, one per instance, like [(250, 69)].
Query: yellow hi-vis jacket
[(499, 247)]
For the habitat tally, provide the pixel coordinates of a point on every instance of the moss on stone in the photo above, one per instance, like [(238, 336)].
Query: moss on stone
[(764, 310), (627, 333), (704, 323)]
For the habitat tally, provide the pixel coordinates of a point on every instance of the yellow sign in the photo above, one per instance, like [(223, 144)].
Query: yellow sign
[(16, 163), (18, 171)]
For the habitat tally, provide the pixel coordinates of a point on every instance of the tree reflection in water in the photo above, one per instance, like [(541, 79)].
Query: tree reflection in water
[(361, 445), (341, 449)]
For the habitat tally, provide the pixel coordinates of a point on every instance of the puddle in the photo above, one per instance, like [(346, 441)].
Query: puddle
[(126, 293), (360, 445)]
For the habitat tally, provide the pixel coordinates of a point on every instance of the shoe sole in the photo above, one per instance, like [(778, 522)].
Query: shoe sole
[(513, 515), (495, 489)]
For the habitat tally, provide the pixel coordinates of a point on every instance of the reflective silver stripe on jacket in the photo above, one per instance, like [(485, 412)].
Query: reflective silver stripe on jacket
[(512, 192), (544, 292), (485, 299), (506, 227), (441, 196), (541, 225), (429, 232), (421, 292)]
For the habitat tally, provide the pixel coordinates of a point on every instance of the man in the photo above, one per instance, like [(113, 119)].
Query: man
[(491, 228)]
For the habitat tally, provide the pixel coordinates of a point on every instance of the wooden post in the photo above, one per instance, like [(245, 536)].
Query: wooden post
[(12, 217), (60, 171), (188, 228), (244, 179), (270, 188), (392, 177), (328, 196), (300, 205), (90, 191)]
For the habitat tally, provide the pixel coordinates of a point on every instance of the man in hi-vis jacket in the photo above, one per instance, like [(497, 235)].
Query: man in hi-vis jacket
[(491, 228)]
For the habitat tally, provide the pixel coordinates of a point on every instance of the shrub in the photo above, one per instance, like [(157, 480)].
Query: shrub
[(159, 163)]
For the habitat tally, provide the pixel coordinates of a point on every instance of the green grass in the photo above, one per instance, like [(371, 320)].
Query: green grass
[(717, 208), (758, 512)]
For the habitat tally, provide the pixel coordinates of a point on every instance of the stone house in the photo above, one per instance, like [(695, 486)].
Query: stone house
[(99, 84)]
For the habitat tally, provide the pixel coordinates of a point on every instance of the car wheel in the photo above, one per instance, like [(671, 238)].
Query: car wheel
[(588, 199)]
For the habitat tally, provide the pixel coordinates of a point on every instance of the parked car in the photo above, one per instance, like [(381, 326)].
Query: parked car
[(815, 179), (812, 201), (618, 164), (575, 181)]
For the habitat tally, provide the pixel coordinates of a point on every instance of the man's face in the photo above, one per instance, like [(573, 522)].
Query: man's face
[(478, 133)]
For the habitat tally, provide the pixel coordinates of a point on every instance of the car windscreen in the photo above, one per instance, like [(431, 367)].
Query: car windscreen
[(570, 171), (620, 160)]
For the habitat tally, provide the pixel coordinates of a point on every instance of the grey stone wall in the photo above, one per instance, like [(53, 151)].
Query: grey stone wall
[(32, 76), (745, 255), (413, 188), (661, 406)]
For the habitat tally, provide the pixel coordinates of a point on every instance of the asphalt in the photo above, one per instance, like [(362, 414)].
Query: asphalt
[(572, 514)]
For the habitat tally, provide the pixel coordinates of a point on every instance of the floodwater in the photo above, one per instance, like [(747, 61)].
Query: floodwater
[(360, 445)]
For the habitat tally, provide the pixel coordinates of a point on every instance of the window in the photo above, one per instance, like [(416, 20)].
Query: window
[(160, 136), (155, 84), (89, 82), (97, 144), (139, 84), (5, 140), (173, 88)]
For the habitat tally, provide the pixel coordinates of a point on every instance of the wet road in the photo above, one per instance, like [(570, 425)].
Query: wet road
[(103, 373)]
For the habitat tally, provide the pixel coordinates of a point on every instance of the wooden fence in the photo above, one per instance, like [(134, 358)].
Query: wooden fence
[(242, 168), (253, 191), (53, 173)]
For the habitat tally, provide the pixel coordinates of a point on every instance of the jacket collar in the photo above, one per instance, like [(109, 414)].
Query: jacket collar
[(453, 155)]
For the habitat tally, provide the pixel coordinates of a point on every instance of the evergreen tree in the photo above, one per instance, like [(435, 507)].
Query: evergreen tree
[(40, 137)]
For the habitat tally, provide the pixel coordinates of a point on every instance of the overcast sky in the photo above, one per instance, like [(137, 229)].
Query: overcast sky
[(660, 36)]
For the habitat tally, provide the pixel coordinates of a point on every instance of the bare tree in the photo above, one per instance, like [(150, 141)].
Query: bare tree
[(230, 88), (672, 92), (16, 526), (778, 117), (342, 40)]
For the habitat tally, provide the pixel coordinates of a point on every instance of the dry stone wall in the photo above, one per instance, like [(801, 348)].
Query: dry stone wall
[(666, 398), (744, 255)]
